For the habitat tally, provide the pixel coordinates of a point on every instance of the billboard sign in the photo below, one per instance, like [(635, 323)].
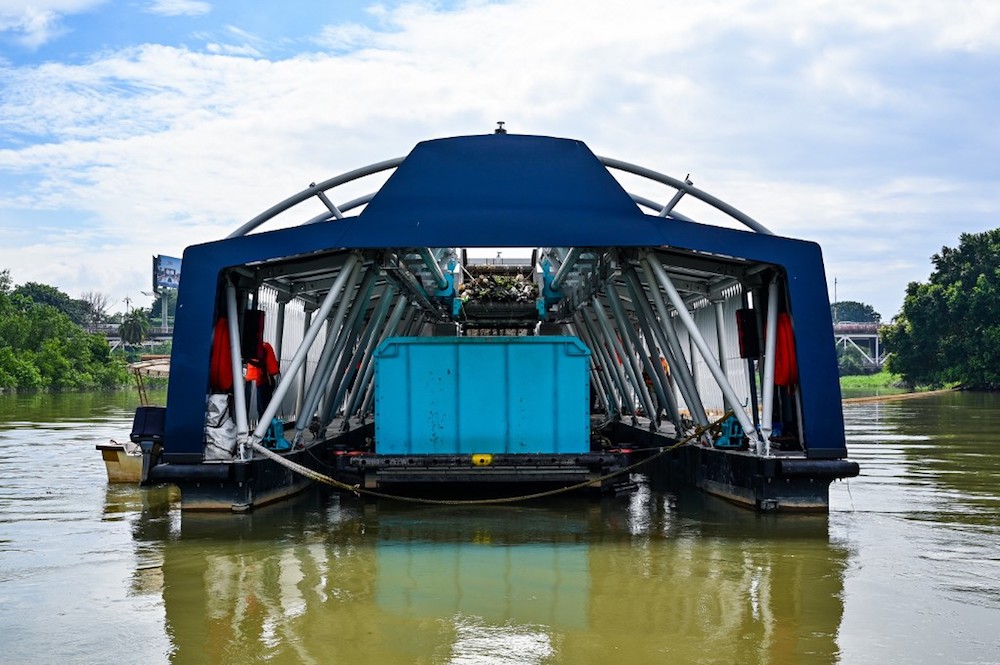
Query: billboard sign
[(166, 272)]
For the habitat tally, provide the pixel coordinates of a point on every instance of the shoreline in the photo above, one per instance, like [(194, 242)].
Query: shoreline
[(895, 397)]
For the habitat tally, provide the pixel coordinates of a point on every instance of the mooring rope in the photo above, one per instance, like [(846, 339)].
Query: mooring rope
[(358, 490)]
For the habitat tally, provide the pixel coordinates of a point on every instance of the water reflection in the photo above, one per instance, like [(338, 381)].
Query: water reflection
[(905, 569), (637, 579)]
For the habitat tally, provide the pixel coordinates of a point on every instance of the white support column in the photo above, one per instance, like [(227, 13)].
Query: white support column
[(770, 343), (706, 353), (300, 377), (720, 333), (236, 360)]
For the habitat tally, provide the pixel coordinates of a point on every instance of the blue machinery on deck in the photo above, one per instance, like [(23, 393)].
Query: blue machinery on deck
[(392, 376)]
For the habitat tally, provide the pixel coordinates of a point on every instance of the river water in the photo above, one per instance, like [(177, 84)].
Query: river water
[(904, 569)]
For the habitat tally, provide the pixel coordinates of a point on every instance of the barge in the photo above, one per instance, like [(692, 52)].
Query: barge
[(618, 329)]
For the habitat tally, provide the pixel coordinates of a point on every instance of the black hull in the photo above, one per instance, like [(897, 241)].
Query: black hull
[(244, 485), (784, 482)]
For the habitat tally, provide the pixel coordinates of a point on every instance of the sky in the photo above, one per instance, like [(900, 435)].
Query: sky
[(135, 128)]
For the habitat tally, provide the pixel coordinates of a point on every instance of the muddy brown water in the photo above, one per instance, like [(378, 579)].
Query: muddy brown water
[(904, 569)]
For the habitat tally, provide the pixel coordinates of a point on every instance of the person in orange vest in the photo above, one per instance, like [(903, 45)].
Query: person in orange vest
[(264, 373)]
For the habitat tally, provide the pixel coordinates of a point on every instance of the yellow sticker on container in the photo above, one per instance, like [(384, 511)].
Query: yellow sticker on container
[(482, 459)]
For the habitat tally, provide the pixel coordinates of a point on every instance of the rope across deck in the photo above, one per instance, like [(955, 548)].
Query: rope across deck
[(358, 490)]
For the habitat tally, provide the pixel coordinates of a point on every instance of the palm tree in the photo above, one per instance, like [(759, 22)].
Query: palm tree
[(134, 327)]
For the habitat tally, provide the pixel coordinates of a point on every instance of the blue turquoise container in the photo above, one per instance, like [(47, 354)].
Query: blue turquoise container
[(467, 395)]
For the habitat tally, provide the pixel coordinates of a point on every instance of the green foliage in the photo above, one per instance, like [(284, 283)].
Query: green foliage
[(879, 380), (949, 328), (850, 361), (856, 312), (42, 348), (134, 327), (43, 294)]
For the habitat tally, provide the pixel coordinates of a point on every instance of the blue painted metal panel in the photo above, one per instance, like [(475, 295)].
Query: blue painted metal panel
[(466, 395), (503, 191)]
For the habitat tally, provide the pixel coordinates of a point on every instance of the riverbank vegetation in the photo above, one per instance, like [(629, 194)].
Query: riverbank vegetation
[(43, 345), (880, 380), (949, 328)]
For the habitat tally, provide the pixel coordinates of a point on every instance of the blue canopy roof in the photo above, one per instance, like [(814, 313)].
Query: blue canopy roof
[(502, 190), (499, 190)]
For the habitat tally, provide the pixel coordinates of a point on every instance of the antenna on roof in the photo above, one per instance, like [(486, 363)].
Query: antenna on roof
[(500, 129)]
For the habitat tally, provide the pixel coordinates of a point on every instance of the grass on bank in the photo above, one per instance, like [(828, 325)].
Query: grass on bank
[(884, 380)]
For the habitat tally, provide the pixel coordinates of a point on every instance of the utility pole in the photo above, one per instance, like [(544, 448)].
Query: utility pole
[(835, 301)]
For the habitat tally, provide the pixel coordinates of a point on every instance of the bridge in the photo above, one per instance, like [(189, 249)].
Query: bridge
[(110, 331), (863, 337)]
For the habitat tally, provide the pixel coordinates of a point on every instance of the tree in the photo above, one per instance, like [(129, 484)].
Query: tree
[(856, 312), (949, 328), (95, 306), (43, 294), (134, 327), (41, 348)]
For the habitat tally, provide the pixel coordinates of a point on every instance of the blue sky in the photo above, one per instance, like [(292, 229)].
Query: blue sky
[(135, 128)]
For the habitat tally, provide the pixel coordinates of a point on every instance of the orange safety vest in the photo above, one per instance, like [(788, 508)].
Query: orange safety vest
[(264, 372)]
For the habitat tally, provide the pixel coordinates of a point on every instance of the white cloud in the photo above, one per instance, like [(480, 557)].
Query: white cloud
[(36, 23), (179, 7), (230, 49), (32, 27), (782, 109)]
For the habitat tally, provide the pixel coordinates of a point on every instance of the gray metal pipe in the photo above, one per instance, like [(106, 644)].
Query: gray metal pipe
[(311, 191), (354, 342), (300, 378), (690, 189), (770, 344), (390, 328), (378, 322), (598, 352), (614, 300), (652, 333), (596, 377), (432, 265), (628, 358), (347, 338), (366, 403), (284, 384), (679, 365), (374, 321), (236, 362), (699, 341), (720, 333), (598, 336), (566, 268), (601, 370), (335, 330)]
